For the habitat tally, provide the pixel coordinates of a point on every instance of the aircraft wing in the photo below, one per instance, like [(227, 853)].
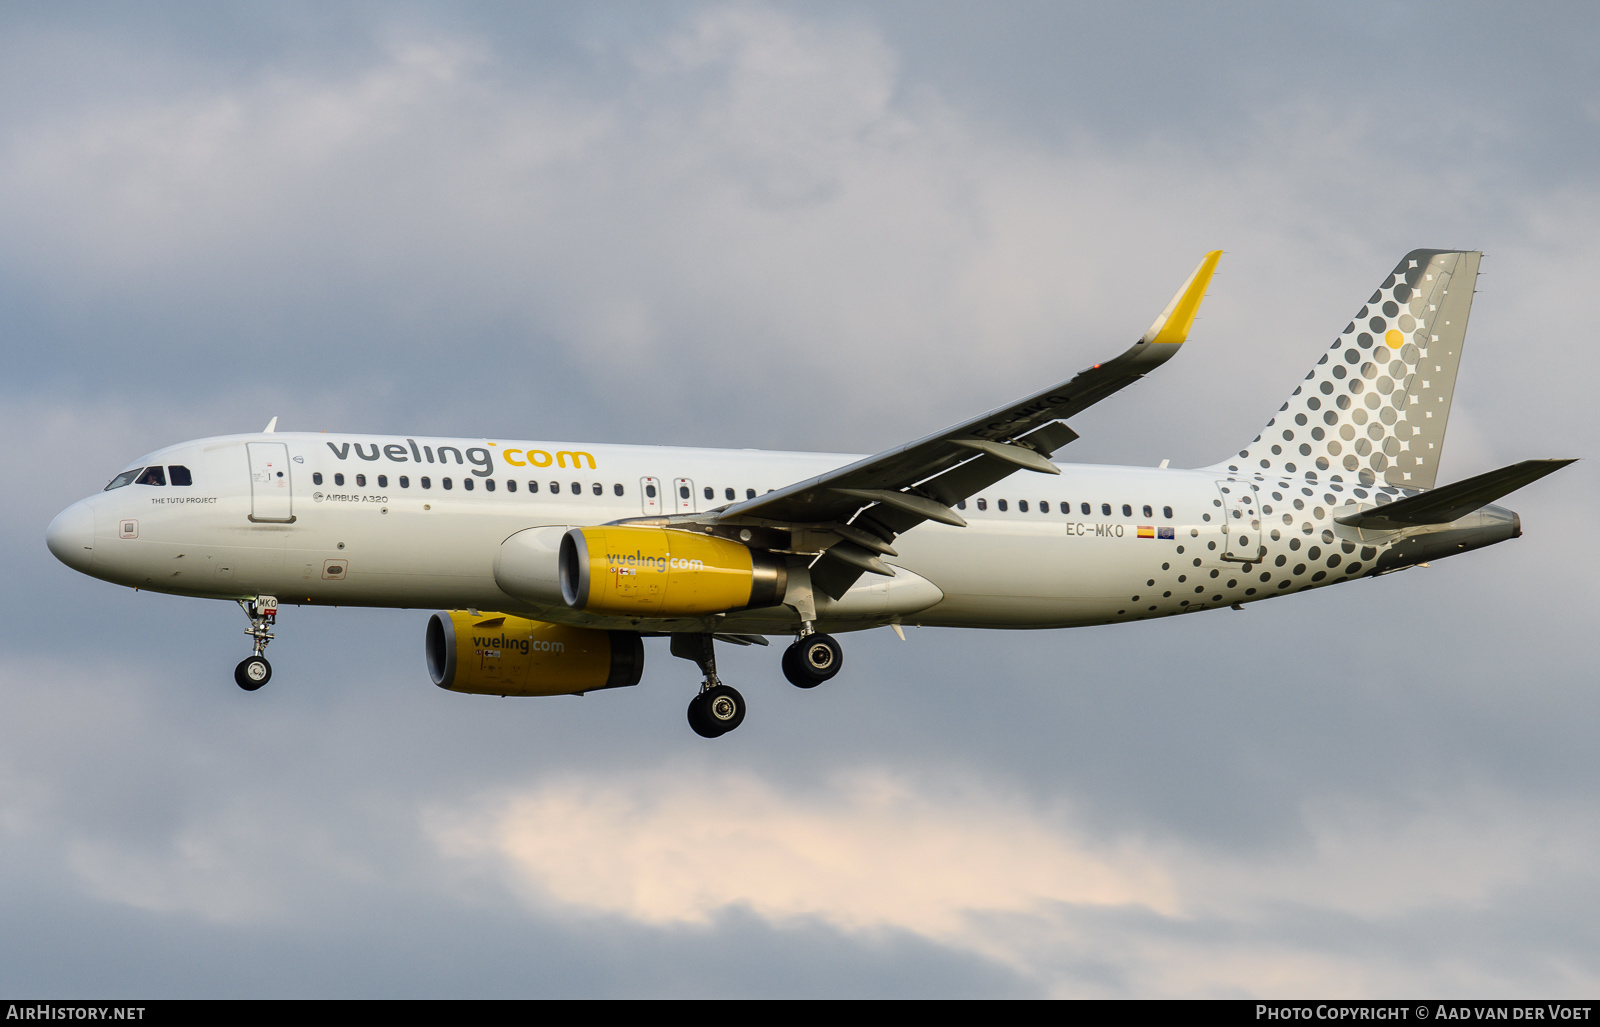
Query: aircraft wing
[(1021, 434), (922, 480)]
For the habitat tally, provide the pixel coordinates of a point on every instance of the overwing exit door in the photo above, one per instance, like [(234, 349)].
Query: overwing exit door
[(683, 495), (650, 495)]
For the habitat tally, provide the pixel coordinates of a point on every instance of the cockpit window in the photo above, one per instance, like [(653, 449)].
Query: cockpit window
[(179, 474), (125, 478), (152, 476)]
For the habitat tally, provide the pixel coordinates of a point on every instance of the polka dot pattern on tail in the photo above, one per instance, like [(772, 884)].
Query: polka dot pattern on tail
[(1381, 396)]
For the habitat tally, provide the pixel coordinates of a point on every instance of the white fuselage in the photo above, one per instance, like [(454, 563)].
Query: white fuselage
[(417, 523)]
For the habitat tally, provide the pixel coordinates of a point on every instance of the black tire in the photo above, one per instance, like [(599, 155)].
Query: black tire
[(699, 721), (252, 672), (792, 670), (723, 708), (812, 660)]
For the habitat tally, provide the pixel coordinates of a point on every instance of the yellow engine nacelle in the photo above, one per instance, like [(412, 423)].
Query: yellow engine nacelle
[(495, 654), (661, 572)]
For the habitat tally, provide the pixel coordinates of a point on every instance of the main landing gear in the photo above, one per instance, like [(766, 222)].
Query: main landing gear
[(718, 708), (812, 659), (254, 671)]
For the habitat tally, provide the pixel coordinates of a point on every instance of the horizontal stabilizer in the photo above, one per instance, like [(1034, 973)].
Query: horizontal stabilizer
[(1443, 505)]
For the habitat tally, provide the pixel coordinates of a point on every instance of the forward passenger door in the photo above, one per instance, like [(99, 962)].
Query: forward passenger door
[(271, 491)]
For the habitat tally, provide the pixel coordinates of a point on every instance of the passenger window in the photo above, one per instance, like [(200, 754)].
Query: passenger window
[(1044, 507), (488, 484), (683, 492), (1166, 512), (316, 477), (599, 489), (1002, 505), (1085, 508), (466, 483), (1105, 509), (1022, 506), (1127, 510), (961, 504), (446, 482), (511, 485), (983, 504), (749, 493), (709, 493), (383, 481), (533, 486), (727, 493), (1148, 512), (405, 482), (650, 491), (577, 489), (555, 488), (125, 478), (427, 483), (338, 479), (361, 481), (179, 475), (617, 488), (152, 476)]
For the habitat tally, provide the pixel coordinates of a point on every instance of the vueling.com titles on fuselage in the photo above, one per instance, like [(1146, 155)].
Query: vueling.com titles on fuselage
[(481, 459)]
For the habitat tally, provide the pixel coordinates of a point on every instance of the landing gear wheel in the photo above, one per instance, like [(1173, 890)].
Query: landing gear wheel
[(793, 671), (252, 673), (716, 711), (724, 708), (698, 720), (812, 660)]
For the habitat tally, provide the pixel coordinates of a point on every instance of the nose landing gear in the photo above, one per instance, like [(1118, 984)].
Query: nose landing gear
[(254, 671), (718, 708)]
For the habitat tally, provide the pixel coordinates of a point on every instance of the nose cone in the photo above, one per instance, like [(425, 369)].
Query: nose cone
[(71, 536)]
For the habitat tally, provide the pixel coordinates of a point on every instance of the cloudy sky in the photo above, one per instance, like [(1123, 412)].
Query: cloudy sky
[(821, 226)]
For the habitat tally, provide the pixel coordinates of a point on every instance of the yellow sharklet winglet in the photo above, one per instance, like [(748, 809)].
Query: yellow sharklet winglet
[(1174, 323)]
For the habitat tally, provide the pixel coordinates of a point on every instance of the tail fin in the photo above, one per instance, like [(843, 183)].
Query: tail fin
[(1376, 405)]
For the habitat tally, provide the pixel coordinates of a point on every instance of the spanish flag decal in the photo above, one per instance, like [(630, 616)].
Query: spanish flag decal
[(1147, 531)]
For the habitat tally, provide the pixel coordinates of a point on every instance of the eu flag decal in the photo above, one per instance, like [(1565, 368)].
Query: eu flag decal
[(1165, 533)]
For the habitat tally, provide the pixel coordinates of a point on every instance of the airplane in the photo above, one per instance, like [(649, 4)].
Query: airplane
[(550, 562)]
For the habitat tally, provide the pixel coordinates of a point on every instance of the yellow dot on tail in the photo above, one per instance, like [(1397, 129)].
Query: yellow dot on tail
[(1394, 338)]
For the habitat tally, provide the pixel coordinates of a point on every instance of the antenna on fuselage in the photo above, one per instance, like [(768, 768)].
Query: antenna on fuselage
[(271, 427)]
